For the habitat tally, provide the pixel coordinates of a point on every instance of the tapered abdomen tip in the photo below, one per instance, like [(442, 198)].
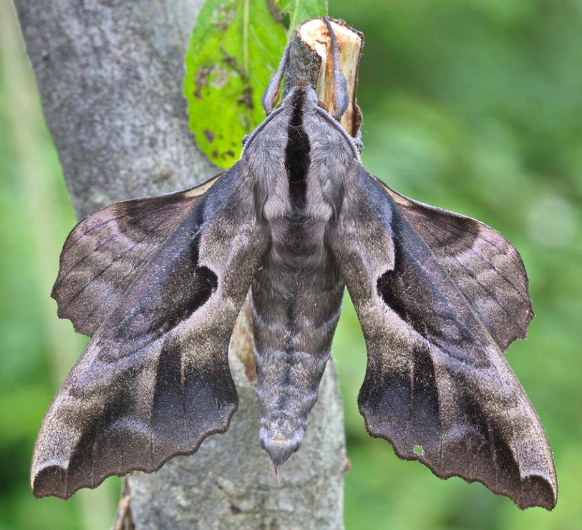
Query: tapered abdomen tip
[(280, 446)]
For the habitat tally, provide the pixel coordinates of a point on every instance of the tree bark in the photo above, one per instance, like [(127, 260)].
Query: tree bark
[(109, 74)]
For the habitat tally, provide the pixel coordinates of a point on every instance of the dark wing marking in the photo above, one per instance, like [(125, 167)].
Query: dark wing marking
[(437, 386), (105, 252), (154, 381), (486, 268)]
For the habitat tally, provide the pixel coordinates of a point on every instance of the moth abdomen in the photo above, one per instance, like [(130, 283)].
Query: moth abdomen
[(288, 384), (296, 307)]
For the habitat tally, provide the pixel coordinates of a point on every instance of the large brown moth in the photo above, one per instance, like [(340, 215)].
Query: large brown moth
[(158, 283)]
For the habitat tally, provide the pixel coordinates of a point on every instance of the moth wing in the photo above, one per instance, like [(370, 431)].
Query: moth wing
[(484, 266), (437, 386), (154, 381), (105, 252)]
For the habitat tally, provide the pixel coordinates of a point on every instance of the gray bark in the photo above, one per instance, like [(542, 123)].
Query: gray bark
[(110, 79), (109, 74)]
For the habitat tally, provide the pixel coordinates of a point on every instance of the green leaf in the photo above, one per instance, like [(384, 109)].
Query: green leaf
[(234, 50), (300, 10)]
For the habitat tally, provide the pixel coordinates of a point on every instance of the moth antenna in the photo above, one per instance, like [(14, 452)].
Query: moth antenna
[(271, 94), (340, 90)]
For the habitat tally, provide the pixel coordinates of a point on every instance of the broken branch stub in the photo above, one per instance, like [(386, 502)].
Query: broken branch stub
[(310, 62)]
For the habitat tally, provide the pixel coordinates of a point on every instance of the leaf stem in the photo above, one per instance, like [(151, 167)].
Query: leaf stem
[(293, 21)]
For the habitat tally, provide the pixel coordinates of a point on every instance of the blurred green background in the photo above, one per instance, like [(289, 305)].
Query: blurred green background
[(474, 106)]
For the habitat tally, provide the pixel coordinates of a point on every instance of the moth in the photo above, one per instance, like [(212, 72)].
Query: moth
[(157, 284)]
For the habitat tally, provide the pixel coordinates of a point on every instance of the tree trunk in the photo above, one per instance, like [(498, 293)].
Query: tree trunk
[(109, 74)]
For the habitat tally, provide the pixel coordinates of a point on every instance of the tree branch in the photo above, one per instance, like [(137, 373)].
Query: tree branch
[(110, 78)]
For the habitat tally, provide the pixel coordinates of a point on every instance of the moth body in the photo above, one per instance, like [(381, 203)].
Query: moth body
[(297, 292)]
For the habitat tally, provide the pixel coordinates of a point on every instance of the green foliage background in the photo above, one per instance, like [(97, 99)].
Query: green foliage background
[(473, 106)]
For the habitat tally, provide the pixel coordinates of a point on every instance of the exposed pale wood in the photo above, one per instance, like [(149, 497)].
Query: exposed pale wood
[(311, 59)]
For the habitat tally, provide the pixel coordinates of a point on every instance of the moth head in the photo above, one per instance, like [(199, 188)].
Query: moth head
[(303, 97)]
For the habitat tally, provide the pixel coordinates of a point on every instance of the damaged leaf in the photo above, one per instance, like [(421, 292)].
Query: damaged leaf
[(234, 49)]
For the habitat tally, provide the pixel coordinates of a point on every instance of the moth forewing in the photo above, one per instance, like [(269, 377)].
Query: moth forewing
[(154, 381)]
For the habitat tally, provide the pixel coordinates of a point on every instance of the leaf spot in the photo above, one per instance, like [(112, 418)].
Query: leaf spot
[(223, 16), (209, 135), (246, 98), (220, 78), (201, 80)]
